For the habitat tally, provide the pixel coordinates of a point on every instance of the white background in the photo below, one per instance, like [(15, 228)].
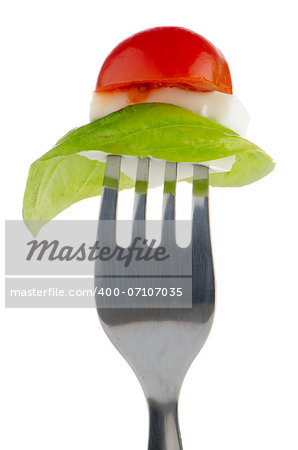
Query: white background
[(64, 385)]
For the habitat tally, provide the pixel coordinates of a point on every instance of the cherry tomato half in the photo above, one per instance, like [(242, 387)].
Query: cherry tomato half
[(165, 56)]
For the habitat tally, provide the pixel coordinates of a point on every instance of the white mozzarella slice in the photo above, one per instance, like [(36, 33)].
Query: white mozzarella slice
[(157, 166), (224, 109)]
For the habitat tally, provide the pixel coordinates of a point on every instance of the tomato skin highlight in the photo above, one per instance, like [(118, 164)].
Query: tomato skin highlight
[(165, 56)]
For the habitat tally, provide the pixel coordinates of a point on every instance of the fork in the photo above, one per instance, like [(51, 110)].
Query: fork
[(160, 343)]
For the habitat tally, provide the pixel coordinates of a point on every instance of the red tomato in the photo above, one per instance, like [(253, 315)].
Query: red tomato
[(165, 56)]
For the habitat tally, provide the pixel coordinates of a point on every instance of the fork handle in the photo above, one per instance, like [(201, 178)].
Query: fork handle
[(164, 432)]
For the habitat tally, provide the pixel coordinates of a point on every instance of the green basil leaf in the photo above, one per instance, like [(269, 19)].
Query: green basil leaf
[(62, 177)]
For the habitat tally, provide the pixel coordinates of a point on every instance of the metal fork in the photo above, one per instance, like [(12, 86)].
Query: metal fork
[(161, 343)]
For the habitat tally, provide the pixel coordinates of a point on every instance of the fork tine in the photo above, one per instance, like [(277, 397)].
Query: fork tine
[(108, 208), (140, 200), (202, 266), (168, 207)]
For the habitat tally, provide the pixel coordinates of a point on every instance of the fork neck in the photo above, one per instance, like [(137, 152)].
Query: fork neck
[(164, 433)]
